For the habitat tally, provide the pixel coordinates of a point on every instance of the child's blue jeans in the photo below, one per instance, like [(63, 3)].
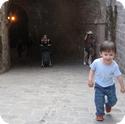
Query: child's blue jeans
[(100, 93)]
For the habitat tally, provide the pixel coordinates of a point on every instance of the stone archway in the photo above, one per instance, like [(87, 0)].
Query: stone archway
[(18, 33), (6, 26), (4, 48), (64, 21)]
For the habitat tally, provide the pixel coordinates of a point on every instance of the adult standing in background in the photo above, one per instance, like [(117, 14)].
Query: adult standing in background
[(89, 48)]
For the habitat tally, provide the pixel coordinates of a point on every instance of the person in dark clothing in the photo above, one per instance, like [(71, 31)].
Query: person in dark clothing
[(89, 48), (45, 40), (46, 52)]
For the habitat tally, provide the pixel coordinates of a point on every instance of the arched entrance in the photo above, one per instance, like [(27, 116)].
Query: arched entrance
[(64, 21), (18, 34)]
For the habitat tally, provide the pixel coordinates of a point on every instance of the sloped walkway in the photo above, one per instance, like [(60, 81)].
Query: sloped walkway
[(56, 95)]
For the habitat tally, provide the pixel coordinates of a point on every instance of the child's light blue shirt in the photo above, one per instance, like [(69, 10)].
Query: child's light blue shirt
[(104, 73)]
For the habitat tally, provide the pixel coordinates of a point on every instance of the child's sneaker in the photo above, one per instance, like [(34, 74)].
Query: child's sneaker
[(99, 118), (108, 108)]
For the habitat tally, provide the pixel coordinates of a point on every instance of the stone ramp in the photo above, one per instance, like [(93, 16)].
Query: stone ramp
[(56, 95)]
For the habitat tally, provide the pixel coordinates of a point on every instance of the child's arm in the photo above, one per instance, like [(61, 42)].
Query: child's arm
[(90, 78), (120, 80)]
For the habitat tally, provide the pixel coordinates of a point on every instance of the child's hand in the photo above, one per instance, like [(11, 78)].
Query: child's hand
[(122, 90), (90, 83)]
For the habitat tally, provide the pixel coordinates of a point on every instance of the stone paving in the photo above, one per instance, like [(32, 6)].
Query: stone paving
[(55, 95)]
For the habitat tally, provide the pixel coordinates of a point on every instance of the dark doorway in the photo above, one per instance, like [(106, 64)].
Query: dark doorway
[(18, 34), (65, 23)]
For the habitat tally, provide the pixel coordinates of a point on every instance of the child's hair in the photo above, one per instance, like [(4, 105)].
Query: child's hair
[(107, 46)]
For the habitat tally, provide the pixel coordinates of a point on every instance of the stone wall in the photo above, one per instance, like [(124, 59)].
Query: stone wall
[(4, 44), (0, 42), (66, 22), (120, 36)]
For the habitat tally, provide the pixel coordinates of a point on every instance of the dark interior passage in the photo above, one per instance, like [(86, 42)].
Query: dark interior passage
[(65, 23), (18, 33)]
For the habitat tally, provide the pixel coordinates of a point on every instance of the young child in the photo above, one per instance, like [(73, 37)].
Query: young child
[(103, 70)]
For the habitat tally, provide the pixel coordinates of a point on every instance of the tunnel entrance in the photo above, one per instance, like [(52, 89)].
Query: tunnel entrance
[(18, 34), (65, 23)]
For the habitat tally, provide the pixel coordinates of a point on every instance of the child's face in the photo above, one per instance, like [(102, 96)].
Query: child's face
[(107, 56)]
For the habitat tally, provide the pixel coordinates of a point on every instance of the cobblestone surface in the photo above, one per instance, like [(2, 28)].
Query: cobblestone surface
[(56, 95)]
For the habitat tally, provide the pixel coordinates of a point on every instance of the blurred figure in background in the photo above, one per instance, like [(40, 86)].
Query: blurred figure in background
[(89, 48)]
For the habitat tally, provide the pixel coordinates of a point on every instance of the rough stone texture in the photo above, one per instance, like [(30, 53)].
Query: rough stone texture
[(120, 36), (4, 44), (0, 40), (0, 54), (64, 21)]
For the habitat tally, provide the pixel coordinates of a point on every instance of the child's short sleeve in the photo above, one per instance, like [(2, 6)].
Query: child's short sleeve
[(117, 71), (93, 66)]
